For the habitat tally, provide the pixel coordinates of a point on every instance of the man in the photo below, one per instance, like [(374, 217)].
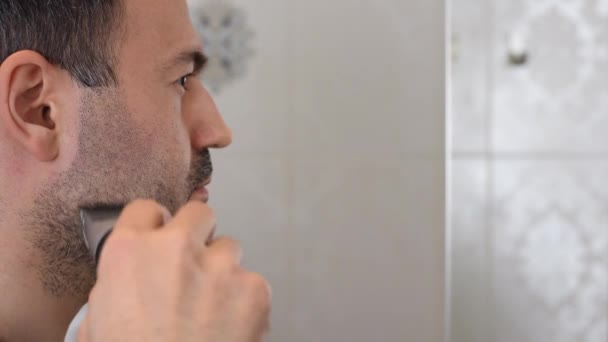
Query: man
[(100, 105)]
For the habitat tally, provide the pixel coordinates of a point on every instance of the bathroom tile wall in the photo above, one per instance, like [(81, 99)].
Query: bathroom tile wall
[(530, 218), (335, 180)]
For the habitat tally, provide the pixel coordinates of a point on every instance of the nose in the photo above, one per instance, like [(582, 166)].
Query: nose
[(207, 127)]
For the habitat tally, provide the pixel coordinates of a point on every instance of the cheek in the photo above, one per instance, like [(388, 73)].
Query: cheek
[(175, 141), (70, 140), (181, 137), (182, 150), (160, 112)]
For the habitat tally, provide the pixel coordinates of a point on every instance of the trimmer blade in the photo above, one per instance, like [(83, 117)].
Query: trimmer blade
[(97, 224)]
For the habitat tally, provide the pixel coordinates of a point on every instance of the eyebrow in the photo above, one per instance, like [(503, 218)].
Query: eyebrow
[(192, 56)]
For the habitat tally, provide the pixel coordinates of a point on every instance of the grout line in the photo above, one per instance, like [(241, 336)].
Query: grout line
[(531, 155), (489, 333)]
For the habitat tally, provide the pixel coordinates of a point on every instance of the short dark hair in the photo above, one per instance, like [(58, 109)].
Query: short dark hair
[(80, 36)]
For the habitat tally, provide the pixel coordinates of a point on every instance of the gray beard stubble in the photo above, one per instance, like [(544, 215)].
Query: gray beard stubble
[(114, 165)]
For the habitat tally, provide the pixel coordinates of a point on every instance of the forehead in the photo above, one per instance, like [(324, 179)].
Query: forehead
[(156, 29)]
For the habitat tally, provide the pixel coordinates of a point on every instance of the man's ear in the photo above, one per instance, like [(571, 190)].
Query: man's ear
[(28, 109)]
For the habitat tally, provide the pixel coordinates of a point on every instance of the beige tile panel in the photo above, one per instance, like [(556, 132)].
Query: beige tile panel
[(367, 77), (368, 261), (250, 200)]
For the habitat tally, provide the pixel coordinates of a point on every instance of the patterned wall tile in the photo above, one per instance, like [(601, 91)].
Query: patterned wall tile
[(250, 200), (256, 104), (548, 237), (355, 90), (556, 101), (373, 272), (551, 251), (226, 35), (470, 251)]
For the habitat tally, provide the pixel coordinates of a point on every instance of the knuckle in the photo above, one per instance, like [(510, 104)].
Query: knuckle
[(118, 251), (200, 206), (142, 204), (119, 242), (258, 288), (224, 252), (209, 214), (178, 240), (175, 249), (231, 245), (203, 212)]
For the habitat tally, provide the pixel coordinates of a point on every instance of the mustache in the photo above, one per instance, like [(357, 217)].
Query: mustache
[(201, 168)]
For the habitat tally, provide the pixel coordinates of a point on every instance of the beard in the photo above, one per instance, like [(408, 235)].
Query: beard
[(116, 163)]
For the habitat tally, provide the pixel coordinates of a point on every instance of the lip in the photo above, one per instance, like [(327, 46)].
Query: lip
[(200, 192)]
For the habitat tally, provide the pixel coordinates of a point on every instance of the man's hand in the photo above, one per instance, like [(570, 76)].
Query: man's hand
[(160, 281)]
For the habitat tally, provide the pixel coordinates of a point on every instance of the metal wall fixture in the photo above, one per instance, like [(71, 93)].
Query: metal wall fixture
[(517, 49)]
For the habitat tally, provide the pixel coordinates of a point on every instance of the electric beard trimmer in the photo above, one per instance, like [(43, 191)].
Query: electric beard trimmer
[(97, 225)]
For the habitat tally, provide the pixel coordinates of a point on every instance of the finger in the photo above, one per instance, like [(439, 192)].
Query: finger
[(142, 215), (197, 220), (222, 253), (258, 291)]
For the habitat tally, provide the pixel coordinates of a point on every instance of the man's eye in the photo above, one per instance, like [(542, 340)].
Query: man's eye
[(183, 81)]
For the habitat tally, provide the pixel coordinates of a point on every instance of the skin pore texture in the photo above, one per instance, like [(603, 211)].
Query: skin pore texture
[(147, 137)]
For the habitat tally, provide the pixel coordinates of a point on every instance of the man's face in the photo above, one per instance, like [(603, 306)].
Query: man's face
[(146, 138), (167, 122)]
